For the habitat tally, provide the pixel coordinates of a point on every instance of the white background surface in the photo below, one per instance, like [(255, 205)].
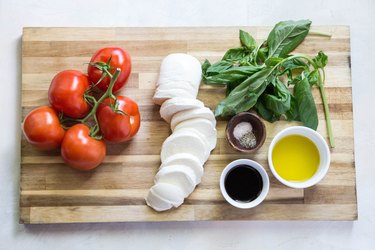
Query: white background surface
[(359, 14)]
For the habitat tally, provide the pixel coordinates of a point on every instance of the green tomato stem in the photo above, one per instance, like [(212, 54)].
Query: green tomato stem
[(106, 71), (107, 94), (91, 116)]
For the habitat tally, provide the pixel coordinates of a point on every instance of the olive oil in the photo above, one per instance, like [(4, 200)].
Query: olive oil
[(243, 183), (295, 158)]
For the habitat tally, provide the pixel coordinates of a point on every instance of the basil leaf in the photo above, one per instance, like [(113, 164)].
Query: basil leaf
[(320, 60), (295, 80), (305, 104), (231, 86), (247, 40), (224, 78), (246, 61), (295, 63), (235, 55), (313, 77), (218, 67), (278, 101), (206, 64), (262, 55), (244, 96), (266, 114), (292, 113), (231, 75), (273, 61), (286, 36), (291, 67), (245, 70)]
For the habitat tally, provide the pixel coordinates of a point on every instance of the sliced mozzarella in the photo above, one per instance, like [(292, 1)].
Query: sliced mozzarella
[(185, 151), (178, 175), (169, 192), (177, 104), (184, 115), (184, 85), (182, 130), (185, 141), (157, 202), (163, 196), (188, 160), (180, 66), (204, 127), (162, 95)]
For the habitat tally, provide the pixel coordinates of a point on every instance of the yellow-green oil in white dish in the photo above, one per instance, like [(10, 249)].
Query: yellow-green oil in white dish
[(295, 158)]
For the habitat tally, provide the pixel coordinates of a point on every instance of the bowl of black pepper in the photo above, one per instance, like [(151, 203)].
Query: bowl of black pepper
[(246, 132)]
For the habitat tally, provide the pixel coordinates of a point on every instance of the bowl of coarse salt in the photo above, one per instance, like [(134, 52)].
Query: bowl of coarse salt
[(246, 132)]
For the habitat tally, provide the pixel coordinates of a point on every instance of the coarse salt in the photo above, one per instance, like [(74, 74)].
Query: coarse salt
[(241, 129)]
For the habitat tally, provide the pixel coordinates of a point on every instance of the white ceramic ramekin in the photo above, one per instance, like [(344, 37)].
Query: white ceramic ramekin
[(263, 174), (321, 144)]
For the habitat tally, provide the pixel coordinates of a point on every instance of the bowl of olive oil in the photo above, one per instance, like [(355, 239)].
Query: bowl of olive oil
[(299, 157)]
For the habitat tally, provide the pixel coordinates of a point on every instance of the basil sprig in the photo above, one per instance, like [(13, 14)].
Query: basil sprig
[(259, 77)]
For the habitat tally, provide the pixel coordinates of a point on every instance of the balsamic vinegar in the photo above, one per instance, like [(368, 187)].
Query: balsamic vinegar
[(243, 183)]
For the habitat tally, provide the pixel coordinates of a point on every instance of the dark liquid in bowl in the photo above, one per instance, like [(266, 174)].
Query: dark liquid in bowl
[(243, 183)]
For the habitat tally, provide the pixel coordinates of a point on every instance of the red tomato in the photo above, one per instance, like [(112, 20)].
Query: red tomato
[(42, 128), (119, 127), (120, 59), (66, 93), (80, 151)]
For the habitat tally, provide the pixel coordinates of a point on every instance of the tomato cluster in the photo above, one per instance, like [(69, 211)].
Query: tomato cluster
[(84, 112)]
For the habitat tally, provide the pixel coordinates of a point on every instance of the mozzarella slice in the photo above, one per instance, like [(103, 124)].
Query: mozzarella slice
[(188, 160), (185, 141), (180, 66), (177, 104), (163, 196), (184, 85), (161, 95), (184, 115), (157, 202), (202, 126), (178, 175)]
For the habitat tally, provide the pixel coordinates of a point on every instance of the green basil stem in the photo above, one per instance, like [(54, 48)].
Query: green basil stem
[(326, 110), (322, 93), (317, 33), (95, 129)]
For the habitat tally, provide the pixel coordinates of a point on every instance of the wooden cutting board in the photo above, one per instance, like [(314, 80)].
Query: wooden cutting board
[(51, 192)]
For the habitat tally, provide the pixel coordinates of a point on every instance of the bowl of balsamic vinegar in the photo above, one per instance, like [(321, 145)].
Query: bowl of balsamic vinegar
[(244, 183)]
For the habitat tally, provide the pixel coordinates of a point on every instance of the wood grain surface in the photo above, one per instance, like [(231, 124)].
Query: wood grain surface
[(51, 192)]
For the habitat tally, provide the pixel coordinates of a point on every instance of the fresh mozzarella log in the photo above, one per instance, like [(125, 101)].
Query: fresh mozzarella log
[(184, 115), (185, 151), (188, 160), (185, 141), (180, 67), (180, 76), (178, 175), (184, 85), (163, 196), (163, 95), (177, 104), (203, 127)]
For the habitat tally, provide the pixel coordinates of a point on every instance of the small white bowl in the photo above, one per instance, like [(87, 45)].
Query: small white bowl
[(263, 174), (320, 143)]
